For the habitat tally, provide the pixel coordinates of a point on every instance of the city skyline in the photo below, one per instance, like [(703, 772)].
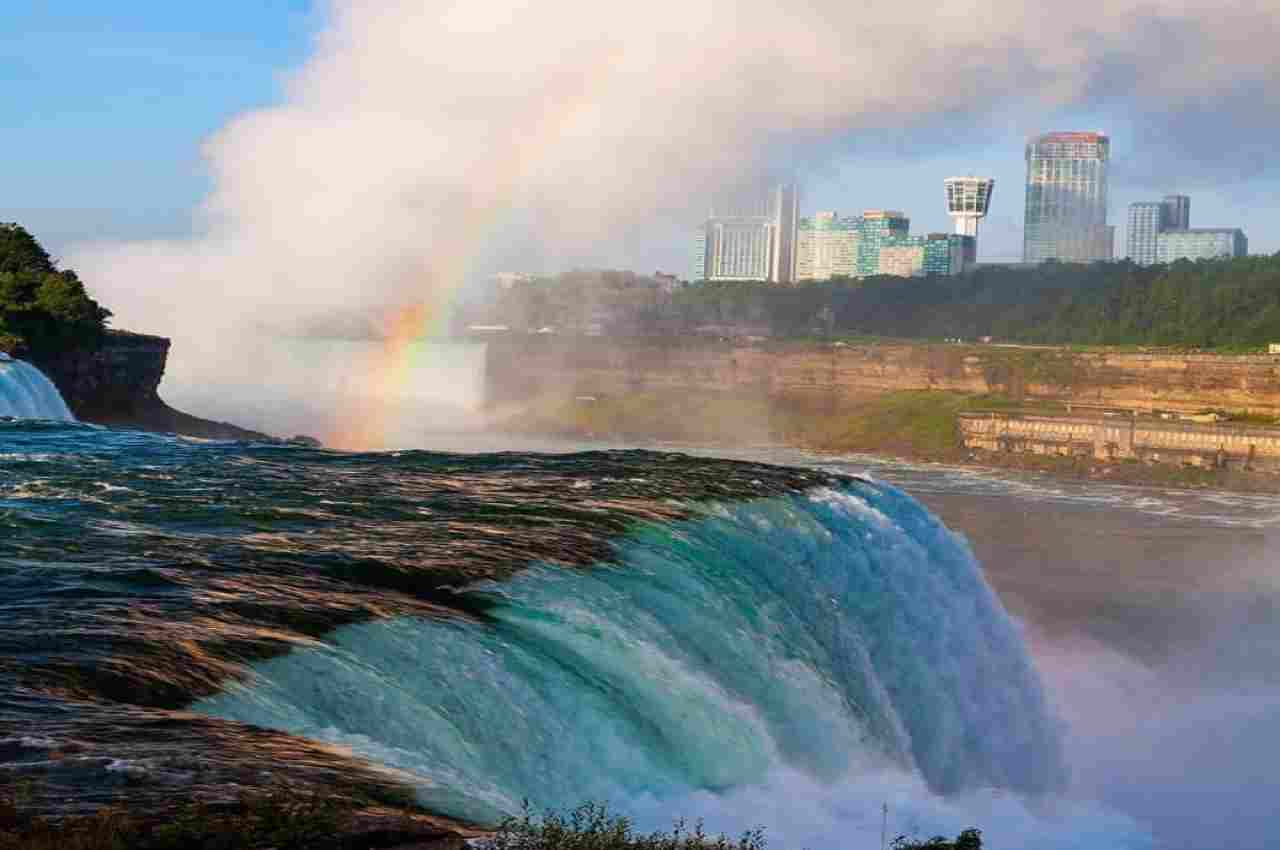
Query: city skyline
[(178, 181)]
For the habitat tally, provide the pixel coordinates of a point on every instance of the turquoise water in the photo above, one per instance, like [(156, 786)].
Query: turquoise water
[(757, 645)]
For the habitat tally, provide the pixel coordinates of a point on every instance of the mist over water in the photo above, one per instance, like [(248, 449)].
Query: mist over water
[(345, 393), (423, 144)]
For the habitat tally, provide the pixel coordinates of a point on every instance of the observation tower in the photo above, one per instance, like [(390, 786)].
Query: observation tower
[(968, 199)]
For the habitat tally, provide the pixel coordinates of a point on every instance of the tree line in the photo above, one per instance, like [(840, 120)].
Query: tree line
[(42, 308), (1230, 303)]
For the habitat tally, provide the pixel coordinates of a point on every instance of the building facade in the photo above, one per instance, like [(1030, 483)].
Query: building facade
[(877, 227), (1204, 243), (749, 235), (1066, 199), (1161, 232), (1175, 212), (919, 256), (968, 199), (1142, 231), (827, 247)]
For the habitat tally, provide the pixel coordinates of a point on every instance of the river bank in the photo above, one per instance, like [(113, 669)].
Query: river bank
[(910, 425)]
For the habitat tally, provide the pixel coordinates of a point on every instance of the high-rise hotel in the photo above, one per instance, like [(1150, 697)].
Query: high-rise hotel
[(1066, 212), (749, 234)]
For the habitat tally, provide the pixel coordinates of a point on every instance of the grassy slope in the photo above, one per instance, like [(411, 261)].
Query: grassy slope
[(911, 423)]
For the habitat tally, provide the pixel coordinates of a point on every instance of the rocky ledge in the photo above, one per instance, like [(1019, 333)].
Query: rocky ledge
[(118, 384)]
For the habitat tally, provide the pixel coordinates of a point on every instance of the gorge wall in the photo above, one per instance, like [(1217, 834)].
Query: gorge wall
[(121, 378), (118, 383), (525, 368)]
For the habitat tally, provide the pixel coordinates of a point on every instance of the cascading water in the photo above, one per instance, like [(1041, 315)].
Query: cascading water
[(678, 635), (25, 393), (830, 635)]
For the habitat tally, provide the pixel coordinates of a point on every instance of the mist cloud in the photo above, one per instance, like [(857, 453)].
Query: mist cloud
[(426, 142)]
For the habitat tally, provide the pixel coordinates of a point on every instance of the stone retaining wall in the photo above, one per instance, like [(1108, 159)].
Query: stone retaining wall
[(1124, 437)]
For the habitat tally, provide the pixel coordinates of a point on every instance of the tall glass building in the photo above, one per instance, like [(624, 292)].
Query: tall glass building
[(1143, 229), (1066, 210), (750, 234)]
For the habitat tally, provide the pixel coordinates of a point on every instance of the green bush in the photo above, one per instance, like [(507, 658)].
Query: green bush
[(42, 308), (591, 827)]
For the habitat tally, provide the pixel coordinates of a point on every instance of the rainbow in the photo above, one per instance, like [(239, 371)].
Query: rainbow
[(368, 426)]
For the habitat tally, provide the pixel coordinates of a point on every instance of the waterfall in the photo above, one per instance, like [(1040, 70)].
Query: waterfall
[(25, 393), (809, 642)]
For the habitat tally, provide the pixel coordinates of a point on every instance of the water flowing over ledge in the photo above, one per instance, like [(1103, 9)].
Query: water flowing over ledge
[(25, 393), (674, 632), (833, 633)]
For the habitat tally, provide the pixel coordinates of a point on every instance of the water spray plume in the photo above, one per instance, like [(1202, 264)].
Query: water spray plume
[(426, 144)]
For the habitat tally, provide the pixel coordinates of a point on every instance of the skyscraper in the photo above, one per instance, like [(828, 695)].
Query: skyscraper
[(749, 234), (1145, 223), (1066, 211)]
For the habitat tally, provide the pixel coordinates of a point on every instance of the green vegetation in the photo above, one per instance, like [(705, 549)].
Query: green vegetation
[(909, 423), (297, 822), (42, 309), (1230, 304), (970, 839), (591, 827)]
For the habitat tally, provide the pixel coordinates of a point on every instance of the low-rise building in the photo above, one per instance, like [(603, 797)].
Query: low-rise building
[(1200, 243)]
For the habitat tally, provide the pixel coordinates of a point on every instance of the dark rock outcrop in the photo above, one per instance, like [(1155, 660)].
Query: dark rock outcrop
[(118, 383)]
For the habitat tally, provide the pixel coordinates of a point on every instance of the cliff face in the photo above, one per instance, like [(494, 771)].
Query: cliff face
[(118, 384), (119, 380), (522, 369)]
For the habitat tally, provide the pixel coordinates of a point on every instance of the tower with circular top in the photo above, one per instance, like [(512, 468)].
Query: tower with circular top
[(968, 199)]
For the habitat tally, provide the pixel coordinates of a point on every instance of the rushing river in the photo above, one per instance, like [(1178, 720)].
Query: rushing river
[(788, 646)]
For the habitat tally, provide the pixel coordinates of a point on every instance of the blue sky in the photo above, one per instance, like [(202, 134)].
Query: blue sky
[(113, 102), (108, 104)]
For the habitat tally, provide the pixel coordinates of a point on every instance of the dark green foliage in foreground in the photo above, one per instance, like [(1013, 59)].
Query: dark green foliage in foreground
[(592, 827), (970, 839), (42, 308), (1232, 303)]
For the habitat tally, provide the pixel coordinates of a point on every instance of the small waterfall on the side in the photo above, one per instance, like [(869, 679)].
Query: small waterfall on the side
[(25, 393)]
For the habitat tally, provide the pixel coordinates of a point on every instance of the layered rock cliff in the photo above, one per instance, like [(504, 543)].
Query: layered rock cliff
[(118, 383), (520, 369)]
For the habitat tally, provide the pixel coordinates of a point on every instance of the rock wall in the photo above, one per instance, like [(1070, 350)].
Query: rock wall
[(118, 384), (119, 379), (522, 368)]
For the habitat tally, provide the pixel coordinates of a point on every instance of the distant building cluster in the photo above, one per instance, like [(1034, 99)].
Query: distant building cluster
[(758, 236), (1160, 232)]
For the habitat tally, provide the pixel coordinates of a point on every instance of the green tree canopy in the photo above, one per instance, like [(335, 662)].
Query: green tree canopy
[(42, 308)]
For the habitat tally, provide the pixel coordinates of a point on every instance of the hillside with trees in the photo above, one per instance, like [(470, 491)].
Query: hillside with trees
[(42, 308), (1209, 304), (1225, 304)]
